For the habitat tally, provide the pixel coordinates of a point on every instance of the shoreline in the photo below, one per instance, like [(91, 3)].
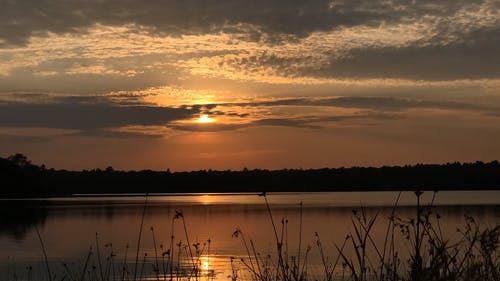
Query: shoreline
[(230, 193)]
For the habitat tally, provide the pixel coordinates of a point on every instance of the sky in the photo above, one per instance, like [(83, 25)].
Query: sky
[(228, 84)]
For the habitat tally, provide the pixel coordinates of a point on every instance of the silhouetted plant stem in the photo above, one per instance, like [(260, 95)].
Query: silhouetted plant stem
[(389, 224), (322, 255), (271, 217), (279, 244), (300, 236), (68, 273), (98, 255), (124, 268), (109, 270), (44, 253), (164, 270), (303, 270), (140, 236), (84, 271), (157, 267), (256, 257), (188, 243), (30, 272), (171, 260), (142, 266), (338, 256), (287, 267), (238, 233), (178, 260), (417, 262)]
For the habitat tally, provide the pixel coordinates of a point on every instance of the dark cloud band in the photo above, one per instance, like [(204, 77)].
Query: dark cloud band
[(96, 115), (21, 19), (89, 116)]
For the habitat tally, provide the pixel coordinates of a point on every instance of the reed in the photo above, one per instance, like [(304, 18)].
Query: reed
[(430, 257), (49, 274), (100, 266), (139, 238)]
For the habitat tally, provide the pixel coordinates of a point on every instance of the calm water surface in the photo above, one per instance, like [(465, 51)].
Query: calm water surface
[(68, 226)]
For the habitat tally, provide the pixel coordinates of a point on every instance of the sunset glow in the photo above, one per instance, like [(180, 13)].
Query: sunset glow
[(205, 119), (272, 84), (193, 127)]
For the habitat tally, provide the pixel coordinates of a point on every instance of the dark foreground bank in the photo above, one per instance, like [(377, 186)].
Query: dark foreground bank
[(20, 178)]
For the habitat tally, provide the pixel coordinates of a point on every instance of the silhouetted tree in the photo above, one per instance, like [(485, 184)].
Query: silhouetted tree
[(19, 160)]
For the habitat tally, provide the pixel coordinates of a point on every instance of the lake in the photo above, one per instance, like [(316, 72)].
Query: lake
[(69, 227)]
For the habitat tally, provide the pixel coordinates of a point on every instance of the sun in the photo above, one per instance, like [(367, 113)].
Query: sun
[(204, 119)]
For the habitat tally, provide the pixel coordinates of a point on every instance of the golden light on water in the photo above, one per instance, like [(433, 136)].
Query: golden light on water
[(206, 199), (205, 263), (204, 118)]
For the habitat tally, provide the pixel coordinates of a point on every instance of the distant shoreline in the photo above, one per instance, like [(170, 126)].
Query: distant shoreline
[(229, 193), (21, 179), (342, 200)]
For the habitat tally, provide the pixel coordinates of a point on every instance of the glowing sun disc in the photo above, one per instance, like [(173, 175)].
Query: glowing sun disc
[(204, 119)]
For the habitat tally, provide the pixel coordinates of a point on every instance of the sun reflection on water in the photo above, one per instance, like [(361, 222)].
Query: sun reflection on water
[(205, 263), (206, 199)]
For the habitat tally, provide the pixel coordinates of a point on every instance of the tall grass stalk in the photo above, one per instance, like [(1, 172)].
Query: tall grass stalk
[(124, 266), (86, 264), (99, 263), (279, 243), (297, 276), (49, 274), (156, 265), (139, 238)]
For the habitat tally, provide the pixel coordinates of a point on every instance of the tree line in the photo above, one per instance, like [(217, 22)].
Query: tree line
[(20, 178)]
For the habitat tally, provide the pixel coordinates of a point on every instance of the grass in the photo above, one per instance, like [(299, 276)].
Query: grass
[(429, 256), (180, 261), (412, 249)]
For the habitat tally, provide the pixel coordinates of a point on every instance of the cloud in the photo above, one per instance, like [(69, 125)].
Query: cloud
[(459, 43), (442, 55), (107, 133), (213, 127), (24, 139), (474, 57), (373, 103), (96, 46), (306, 122), (113, 117), (89, 116), (21, 19)]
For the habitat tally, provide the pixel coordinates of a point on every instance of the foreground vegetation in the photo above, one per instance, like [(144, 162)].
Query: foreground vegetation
[(21, 178), (413, 249), (431, 256)]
